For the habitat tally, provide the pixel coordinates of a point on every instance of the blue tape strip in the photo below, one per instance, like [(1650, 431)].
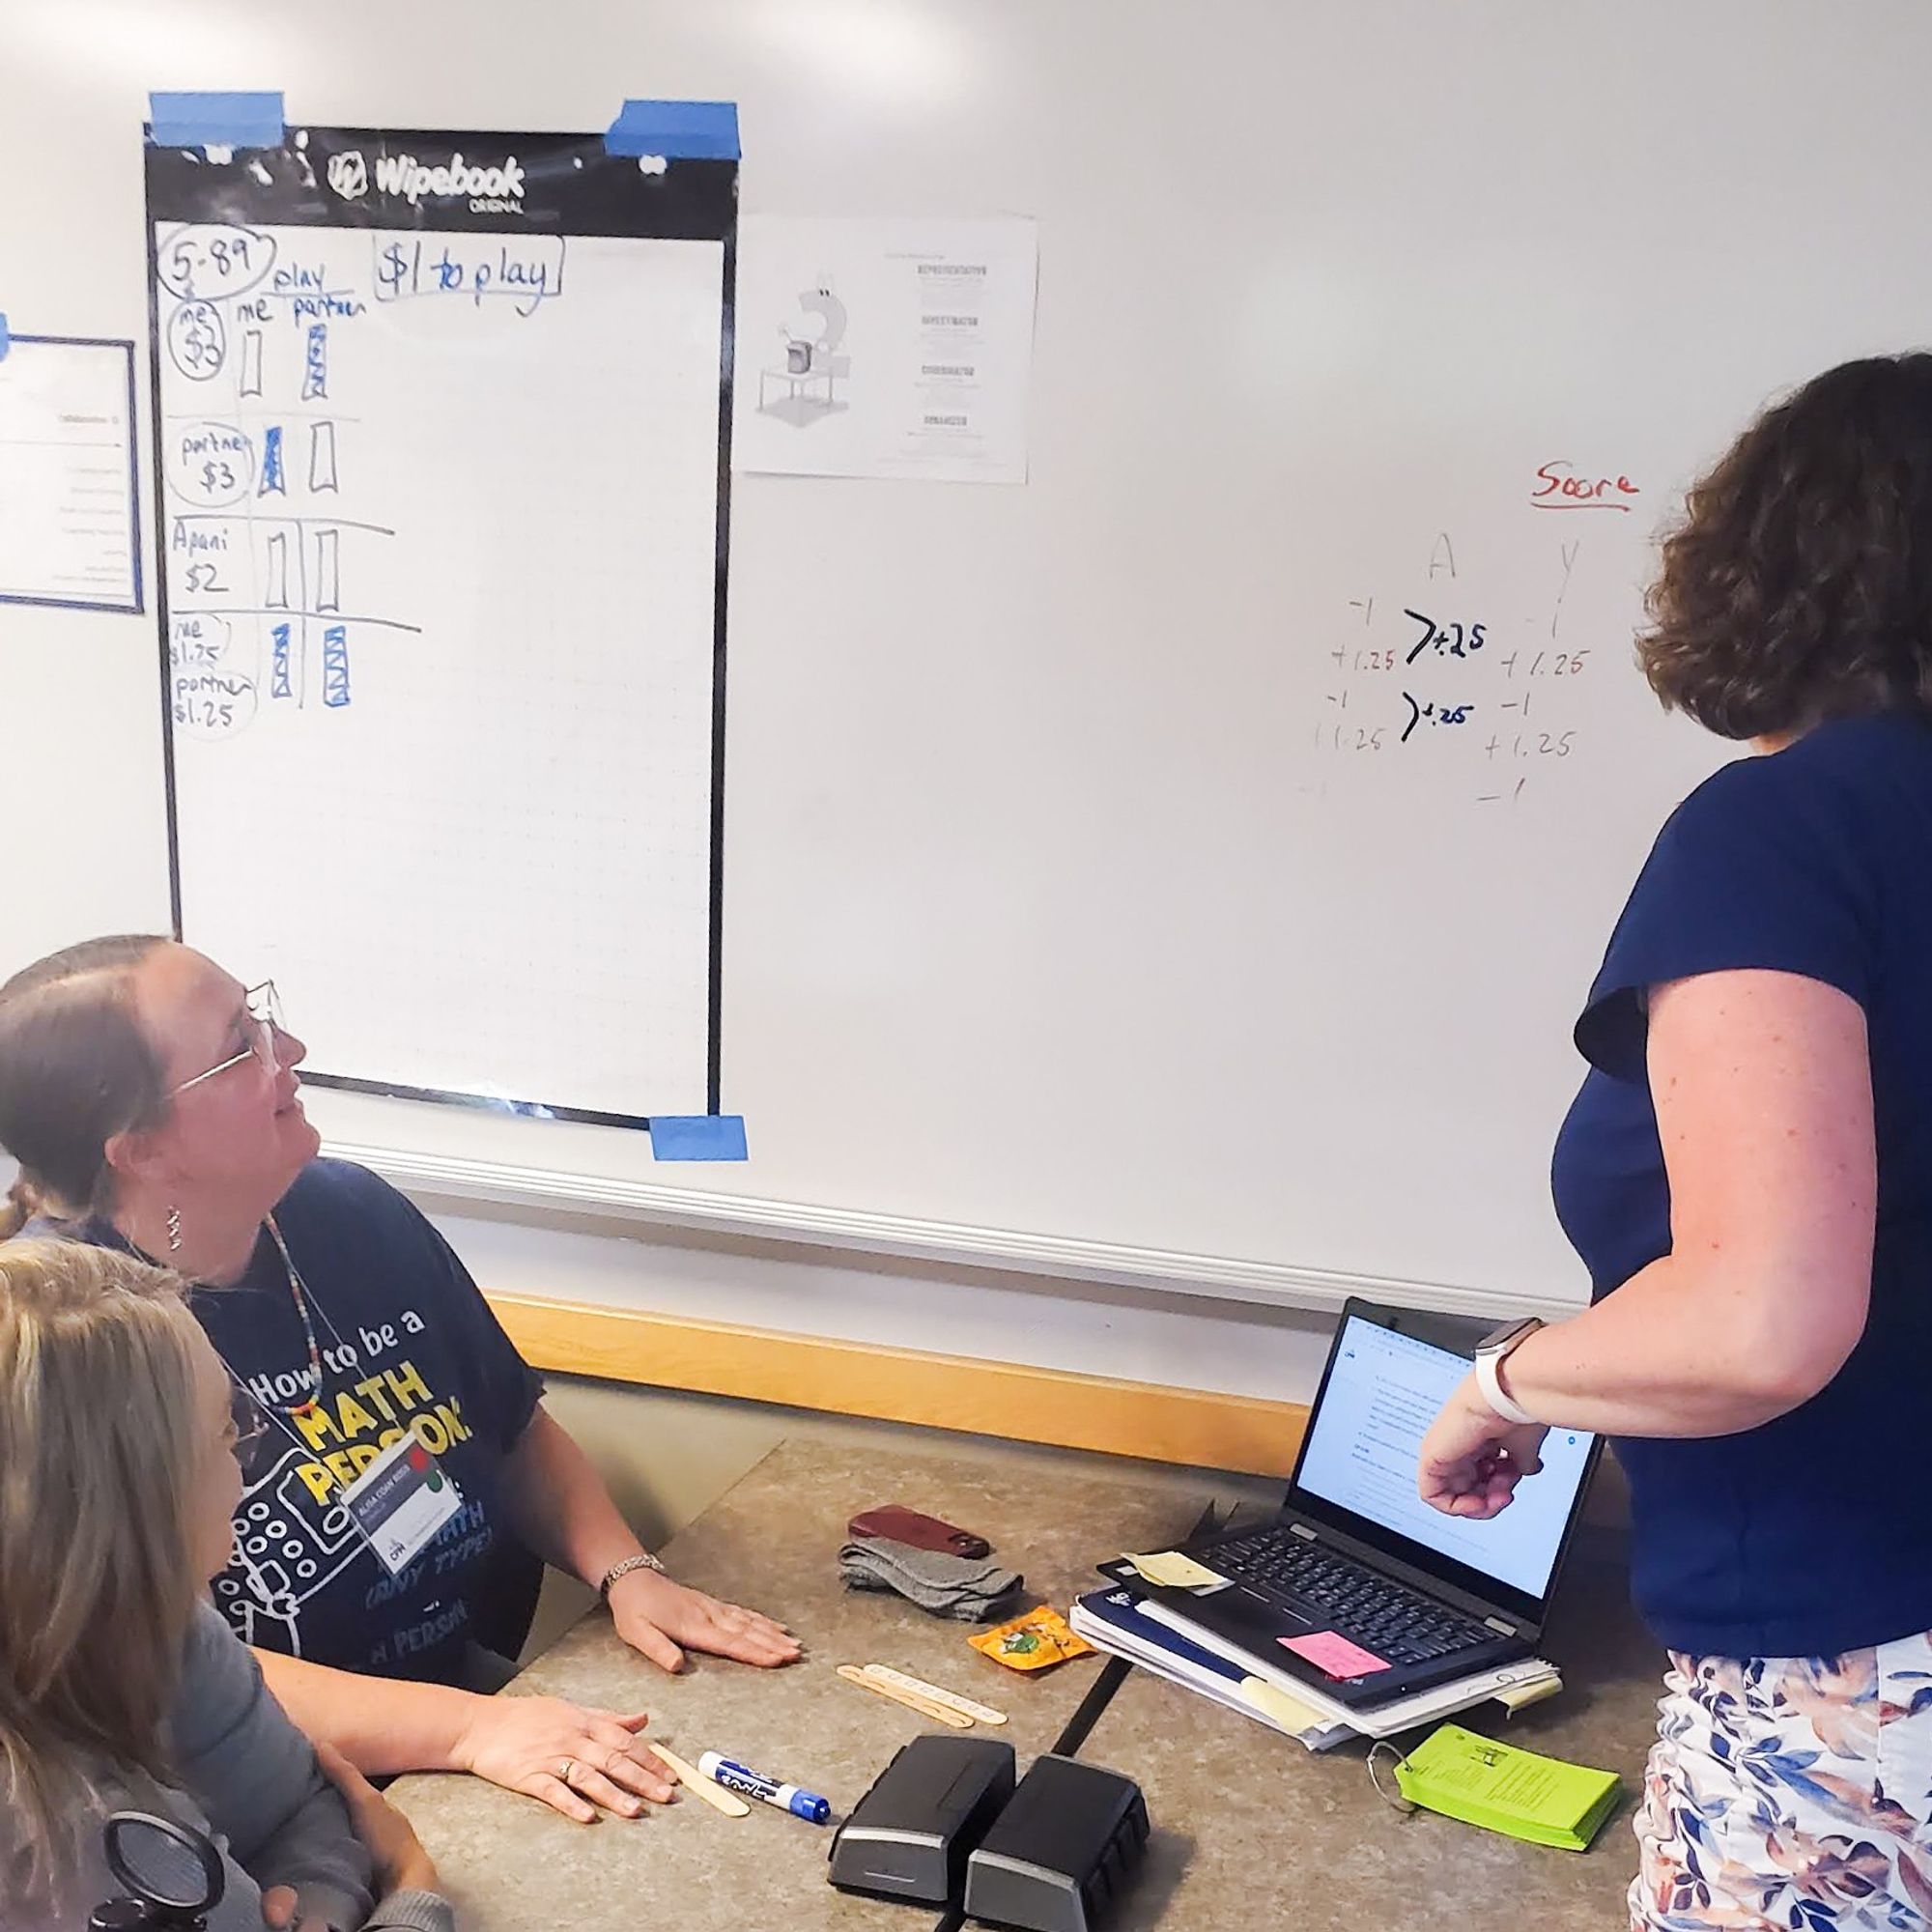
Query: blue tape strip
[(686, 131), (215, 120), (697, 1137), (6, 340)]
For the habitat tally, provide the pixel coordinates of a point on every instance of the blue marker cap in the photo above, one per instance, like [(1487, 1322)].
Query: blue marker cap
[(810, 1806)]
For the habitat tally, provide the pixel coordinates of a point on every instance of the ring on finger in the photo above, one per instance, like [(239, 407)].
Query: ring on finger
[(563, 1774)]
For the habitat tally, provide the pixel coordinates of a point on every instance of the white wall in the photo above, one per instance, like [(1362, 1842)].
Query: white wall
[(1032, 922), (1177, 1341)]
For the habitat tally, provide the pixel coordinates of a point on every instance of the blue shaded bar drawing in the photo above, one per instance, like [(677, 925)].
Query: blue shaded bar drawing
[(315, 362), (336, 667)]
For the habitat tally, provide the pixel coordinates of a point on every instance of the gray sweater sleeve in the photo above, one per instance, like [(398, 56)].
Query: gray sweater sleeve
[(251, 1784), (256, 1778), (412, 1912)]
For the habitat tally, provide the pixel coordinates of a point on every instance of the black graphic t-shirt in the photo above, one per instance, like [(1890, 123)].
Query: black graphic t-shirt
[(408, 1344)]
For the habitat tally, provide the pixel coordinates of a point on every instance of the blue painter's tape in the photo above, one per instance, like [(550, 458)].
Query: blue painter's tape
[(685, 131), (697, 1137), (6, 340), (215, 120)]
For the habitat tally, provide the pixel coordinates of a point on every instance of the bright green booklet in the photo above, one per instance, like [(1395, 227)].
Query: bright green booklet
[(1503, 1789)]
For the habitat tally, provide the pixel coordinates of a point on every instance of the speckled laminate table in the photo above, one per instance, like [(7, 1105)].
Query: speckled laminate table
[(1252, 1832), (510, 1866)]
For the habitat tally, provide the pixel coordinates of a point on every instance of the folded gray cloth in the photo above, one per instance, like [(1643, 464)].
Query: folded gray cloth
[(973, 1589)]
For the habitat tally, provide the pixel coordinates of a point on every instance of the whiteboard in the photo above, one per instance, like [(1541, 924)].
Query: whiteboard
[(439, 513), (1052, 936)]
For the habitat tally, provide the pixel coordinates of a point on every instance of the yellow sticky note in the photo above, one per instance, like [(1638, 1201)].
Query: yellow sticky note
[(1515, 1697), (1174, 1570), (1275, 1702)]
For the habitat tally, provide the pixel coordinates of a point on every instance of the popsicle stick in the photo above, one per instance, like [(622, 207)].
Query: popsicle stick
[(698, 1785), (911, 1699), (934, 1694)]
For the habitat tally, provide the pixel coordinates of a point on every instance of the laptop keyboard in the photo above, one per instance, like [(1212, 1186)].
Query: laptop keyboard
[(1378, 1612)]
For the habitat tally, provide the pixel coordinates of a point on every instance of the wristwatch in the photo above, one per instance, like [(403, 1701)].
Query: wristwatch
[(1491, 1353), (643, 1560)]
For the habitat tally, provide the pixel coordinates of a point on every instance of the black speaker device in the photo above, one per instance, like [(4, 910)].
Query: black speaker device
[(910, 1834), (1062, 1849)]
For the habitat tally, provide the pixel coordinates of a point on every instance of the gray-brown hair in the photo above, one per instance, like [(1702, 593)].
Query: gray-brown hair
[(75, 1068), (99, 1449)]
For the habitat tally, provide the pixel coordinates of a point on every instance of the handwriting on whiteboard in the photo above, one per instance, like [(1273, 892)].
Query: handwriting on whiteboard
[(1561, 486), (270, 528), (1442, 684), (528, 270)]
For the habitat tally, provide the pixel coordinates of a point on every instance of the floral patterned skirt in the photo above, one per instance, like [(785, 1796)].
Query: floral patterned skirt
[(1791, 1793)]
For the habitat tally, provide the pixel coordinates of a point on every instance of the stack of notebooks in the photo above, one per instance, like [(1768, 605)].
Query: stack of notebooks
[(1168, 1644)]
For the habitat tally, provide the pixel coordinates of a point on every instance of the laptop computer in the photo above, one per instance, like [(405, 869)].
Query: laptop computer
[(1358, 1586)]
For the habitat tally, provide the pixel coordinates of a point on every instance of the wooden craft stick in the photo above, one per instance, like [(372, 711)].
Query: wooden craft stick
[(911, 1699), (698, 1785), (933, 1694)]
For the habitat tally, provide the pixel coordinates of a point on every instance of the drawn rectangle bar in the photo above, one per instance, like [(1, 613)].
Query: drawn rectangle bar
[(335, 666), (327, 570), (321, 457)]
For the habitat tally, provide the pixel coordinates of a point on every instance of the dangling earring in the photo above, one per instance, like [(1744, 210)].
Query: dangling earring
[(174, 1231)]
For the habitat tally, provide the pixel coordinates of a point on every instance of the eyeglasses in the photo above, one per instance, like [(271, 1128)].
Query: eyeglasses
[(261, 1020), (249, 1420)]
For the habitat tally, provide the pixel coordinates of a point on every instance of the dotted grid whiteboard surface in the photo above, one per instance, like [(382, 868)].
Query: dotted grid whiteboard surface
[(440, 512), (1085, 910)]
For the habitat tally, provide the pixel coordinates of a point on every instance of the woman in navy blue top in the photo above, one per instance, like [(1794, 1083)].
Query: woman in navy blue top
[(154, 1104), (1747, 1176)]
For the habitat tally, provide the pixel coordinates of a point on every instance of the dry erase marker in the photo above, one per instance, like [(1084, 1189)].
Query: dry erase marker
[(734, 1776)]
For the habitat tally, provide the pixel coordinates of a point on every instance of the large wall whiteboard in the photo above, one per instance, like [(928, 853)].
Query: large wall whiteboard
[(1053, 935), (441, 525)]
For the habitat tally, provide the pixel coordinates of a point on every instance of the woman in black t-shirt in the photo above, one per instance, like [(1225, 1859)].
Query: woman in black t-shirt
[(152, 1103)]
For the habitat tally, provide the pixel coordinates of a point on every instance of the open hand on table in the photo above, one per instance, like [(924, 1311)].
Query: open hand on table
[(574, 1757), (655, 1615)]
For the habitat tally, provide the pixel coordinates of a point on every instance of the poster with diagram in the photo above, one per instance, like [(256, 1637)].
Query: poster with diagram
[(897, 349)]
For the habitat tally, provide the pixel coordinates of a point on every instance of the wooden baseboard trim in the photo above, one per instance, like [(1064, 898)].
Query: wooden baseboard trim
[(1197, 1427)]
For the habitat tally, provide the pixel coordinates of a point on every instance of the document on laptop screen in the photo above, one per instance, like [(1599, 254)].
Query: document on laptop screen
[(1382, 1394)]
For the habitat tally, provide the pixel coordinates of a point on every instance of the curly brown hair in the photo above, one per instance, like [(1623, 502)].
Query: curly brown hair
[(1799, 585)]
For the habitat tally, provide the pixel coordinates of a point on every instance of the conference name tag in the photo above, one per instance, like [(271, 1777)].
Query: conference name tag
[(400, 1502)]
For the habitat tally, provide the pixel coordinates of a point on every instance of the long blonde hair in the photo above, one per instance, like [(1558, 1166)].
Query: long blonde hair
[(99, 1450)]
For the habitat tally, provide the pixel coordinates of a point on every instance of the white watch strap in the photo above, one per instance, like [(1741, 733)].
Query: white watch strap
[(1490, 1385)]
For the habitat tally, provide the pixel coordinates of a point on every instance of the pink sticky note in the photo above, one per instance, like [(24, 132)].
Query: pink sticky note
[(1332, 1652)]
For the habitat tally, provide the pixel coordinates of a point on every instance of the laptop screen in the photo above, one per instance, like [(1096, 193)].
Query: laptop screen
[(1383, 1390)]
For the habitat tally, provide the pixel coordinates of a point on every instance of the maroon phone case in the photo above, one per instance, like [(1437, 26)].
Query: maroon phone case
[(894, 1520)]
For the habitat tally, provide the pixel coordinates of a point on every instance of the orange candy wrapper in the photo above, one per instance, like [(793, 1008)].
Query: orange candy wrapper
[(1036, 1641)]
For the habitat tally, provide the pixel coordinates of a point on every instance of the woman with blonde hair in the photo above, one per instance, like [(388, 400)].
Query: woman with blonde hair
[(120, 1685)]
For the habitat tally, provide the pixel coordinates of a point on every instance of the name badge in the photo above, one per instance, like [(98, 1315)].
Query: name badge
[(400, 1502)]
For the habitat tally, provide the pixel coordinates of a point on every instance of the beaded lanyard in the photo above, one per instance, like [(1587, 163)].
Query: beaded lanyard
[(297, 1289)]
